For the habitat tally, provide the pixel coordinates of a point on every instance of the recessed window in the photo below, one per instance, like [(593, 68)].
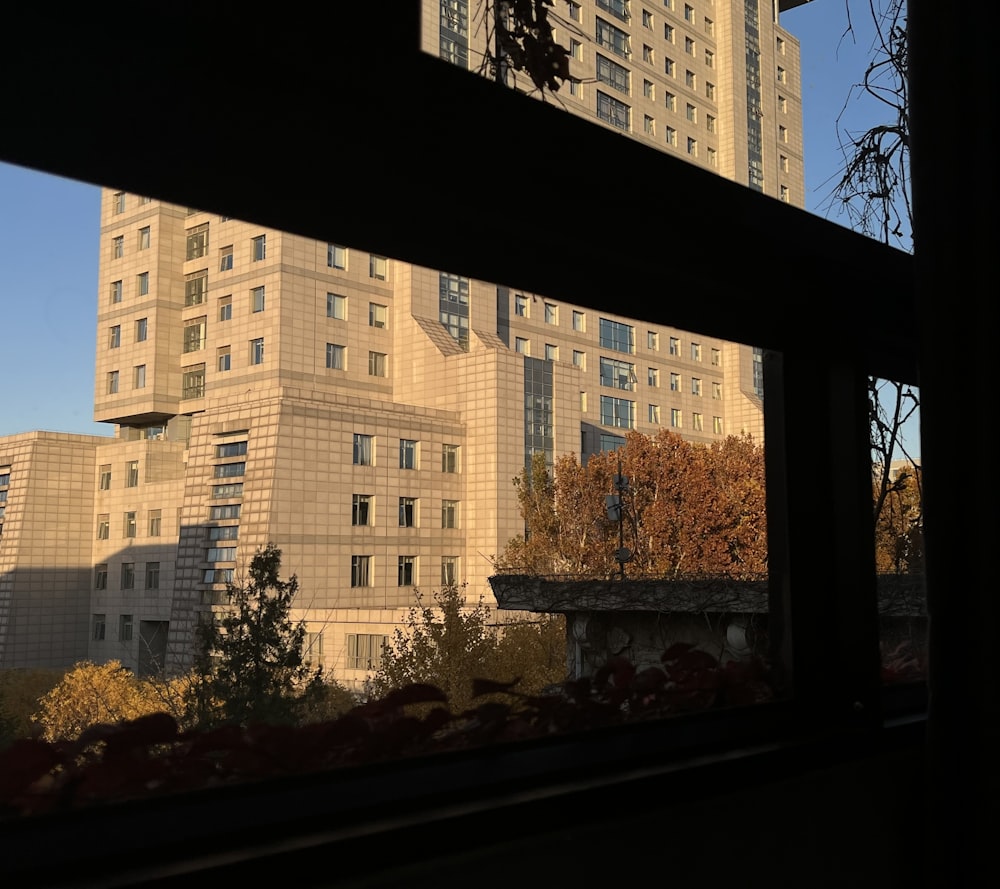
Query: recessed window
[(361, 574), (194, 334), (407, 570), (710, 123), (675, 382), (364, 650), (676, 418), (697, 422), (709, 58), (783, 163), (713, 160), (128, 576), (152, 575), (688, 13), (197, 241), (103, 526), (647, 54), (551, 313), (100, 582), (193, 381), (378, 364), (104, 482), (692, 147), (118, 203), (551, 352), (257, 299), (132, 474), (155, 523), (647, 19), (784, 194), (407, 453), (717, 425), (521, 345), (129, 525), (675, 346), (710, 91), (695, 386), (691, 113), (335, 355), (336, 306), (99, 621), (671, 135), (378, 315), (361, 509), (781, 74), (669, 67), (257, 350), (449, 571), (648, 125), (689, 46), (364, 449), (613, 74), (653, 376), (142, 284), (716, 357), (654, 413), (783, 104), (118, 246), (783, 134), (521, 305), (377, 267), (691, 80), (574, 10), (579, 321), (617, 412), (144, 238), (668, 33), (196, 287), (696, 351), (647, 89), (716, 391), (579, 359), (141, 330), (224, 358), (576, 49), (225, 308), (617, 335), (652, 340), (613, 38), (258, 250), (336, 256), (115, 337), (226, 258), (116, 292), (449, 458), (617, 374), (113, 382), (407, 512), (139, 376), (780, 45), (449, 513), (709, 27)]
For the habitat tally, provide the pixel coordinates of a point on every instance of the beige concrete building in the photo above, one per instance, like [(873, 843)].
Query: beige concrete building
[(366, 415)]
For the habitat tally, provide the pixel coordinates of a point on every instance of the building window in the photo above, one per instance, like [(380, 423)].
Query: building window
[(98, 620), (668, 33), (141, 330), (717, 425), (675, 418), (617, 374), (139, 376), (364, 449), (257, 350), (364, 651), (647, 19), (612, 38), (118, 203), (716, 357), (781, 74), (616, 335), (697, 422), (259, 248), (230, 511), (224, 532), (617, 412), (361, 571), (257, 299), (675, 346), (152, 575), (579, 321), (671, 102), (142, 284), (221, 554), (784, 194), (647, 89), (113, 382), (144, 238), (233, 489), (783, 162), (709, 58), (225, 308), (378, 315), (453, 307), (336, 306), (116, 292), (407, 512), (653, 376), (695, 386), (609, 442), (195, 287), (781, 45), (194, 334), (407, 453), (449, 571), (224, 358), (376, 267), (521, 305), (675, 382), (129, 525), (696, 351), (407, 570), (449, 458), (647, 54), (648, 125), (361, 509), (103, 526), (783, 133), (132, 474), (378, 363), (579, 359), (669, 68), (671, 135), (654, 414), (155, 522), (230, 470), (551, 352), (652, 340), (336, 256), (115, 337), (611, 111), (688, 13), (709, 27), (551, 313), (689, 46), (613, 74), (230, 449), (217, 575), (197, 241), (692, 113), (716, 390), (226, 258), (521, 345), (118, 247), (128, 576), (576, 49), (574, 10), (334, 356), (449, 513), (783, 104), (692, 147), (193, 381), (104, 484)]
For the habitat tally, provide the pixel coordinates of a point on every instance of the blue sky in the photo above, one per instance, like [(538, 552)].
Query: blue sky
[(49, 230)]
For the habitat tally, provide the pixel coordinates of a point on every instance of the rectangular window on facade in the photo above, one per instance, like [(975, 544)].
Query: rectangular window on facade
[(407, 570), (652, 340), (612, 38), (449, 571), (257, 299), (617, 412), (647, 89), (669, 68), (647, 54), (709, 58), (100, 577), (675, 346), (364, 449), (407, 453), (579, 321), (654, 413), (103, 526), (551, 313), (144, 238), (520, 305), (230, 511), (449, 513), (334, 356), (364, 651), (336, 306), (709, 27), (616, 335), (193, 381), (336, 256), (668, 33), (675, 382), (155, 522), (197, 241), (98, 621), (716, 357), (116, 291), (716, 391), (783, 134), (225, 308), (233, 489), (407, 512), (692, 113), (378, 315), (129, 524), (648, 125), (257, 350), (230, 470), (361, 509), (611, 111), (689, 46), (152, 575), (675, 418), (710, 91), (696, 351), (195, 334), (113, 382), (784, 194), (691, 80), (118, 247), (521, 345), (653, 376), (224, 358), (115, 337), (783, 163), (195, 287), (692, 147), (258, 250), (688, 13), (361, 571), (141, 330), (377, 267), (142, 284), (695, 386), (647, 19), (617, 374), (226, 258), (128, 576), (449, 458), (378, 364), (224, 532), (125, 628), (781, 74), (574, 10), (221, 554), (104, 482), (697, 422), (579, 358), (576, 49), (230, 449), (551, 352), (139, 376), (671, 135), (717, 425), (118, 203)]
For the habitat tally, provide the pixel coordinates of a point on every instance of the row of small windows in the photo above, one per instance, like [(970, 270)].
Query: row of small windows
[(98, 627), (130, 527), (118, 202), (363, 453), (621, 413), (363, 570), (127, 578), (363, 511)]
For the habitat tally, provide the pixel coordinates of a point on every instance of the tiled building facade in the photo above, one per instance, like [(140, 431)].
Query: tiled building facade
[(366, 415)]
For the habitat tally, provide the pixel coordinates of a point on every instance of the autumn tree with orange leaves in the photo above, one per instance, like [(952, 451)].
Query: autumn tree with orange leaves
[(690, 510)]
